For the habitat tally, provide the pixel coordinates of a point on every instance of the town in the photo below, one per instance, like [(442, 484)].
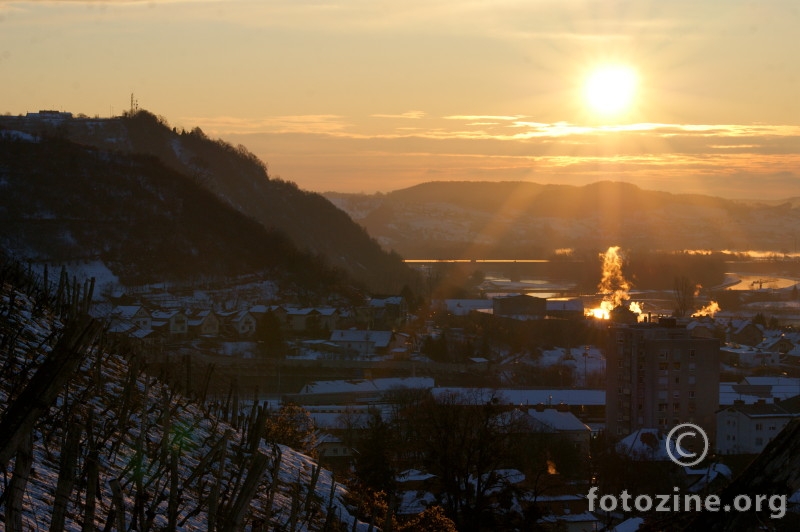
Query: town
[(568, 396)]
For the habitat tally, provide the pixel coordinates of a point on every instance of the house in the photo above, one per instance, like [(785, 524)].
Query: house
[(748, 357), (240, 324), (748, 428), (390, 311), (563, 423), (364, 343), (203, 323), (331, 449), (746, 333), (310, 319), (170, 323), (135, 314), (777, 344)]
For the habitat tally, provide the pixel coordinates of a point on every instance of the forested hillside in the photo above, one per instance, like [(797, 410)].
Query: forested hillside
[(234, 175), (62, 202)]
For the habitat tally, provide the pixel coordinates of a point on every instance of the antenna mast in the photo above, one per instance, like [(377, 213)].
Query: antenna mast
[(134, 105)]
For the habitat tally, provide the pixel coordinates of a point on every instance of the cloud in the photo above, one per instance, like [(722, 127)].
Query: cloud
[(308, 124), (415, 115)]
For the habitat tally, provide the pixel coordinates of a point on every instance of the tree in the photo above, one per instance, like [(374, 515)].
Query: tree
[(269, 335), (292, 426), (433, 519), (684, 296), (374, 458), (463, 439)]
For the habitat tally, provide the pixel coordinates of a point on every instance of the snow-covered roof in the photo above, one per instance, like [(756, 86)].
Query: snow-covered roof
[(365, 385), (126, 312), (629, 525), (728, 393), (644, 443), (707, 475), (383, 302), (162, 315), (414, 475), (461, 307), (530, 397), (558, 421), (377, 338)]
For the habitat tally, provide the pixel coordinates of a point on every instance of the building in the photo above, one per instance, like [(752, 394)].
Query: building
[(135, 314), (748, 428), (520, 306), (659, 376), (203, 323), (563, 423), (565, 307), (171, 323), (363, 343)]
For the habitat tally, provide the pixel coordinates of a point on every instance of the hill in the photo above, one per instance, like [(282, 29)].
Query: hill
[(66, 203), (239, 179), (522, 220)]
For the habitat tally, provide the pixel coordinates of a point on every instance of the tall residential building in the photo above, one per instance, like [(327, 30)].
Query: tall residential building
[(659, 376)]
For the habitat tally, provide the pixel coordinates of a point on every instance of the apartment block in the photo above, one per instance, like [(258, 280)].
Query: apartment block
[(659, 376)]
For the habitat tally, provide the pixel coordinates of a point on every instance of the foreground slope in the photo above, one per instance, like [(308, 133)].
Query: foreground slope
[(104, 444)]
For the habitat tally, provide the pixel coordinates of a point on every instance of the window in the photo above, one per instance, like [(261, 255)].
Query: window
[(676, 365), (691, 353), (692, 379), (663, 366), (676, 406), (691, 394), (759, 426), (759, 441), (662, 407)]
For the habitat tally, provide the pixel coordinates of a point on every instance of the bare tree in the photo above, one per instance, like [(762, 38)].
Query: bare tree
[(684, 296)]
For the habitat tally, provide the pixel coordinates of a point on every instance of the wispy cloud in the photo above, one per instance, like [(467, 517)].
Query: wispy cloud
[(309, 124), (414, 115)]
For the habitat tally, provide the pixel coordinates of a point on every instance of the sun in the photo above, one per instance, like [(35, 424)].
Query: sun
[(610, 90)]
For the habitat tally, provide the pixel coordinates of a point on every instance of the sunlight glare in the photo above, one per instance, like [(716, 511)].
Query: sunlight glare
[(609, 90)]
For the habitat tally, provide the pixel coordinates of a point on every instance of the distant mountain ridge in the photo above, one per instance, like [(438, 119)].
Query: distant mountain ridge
[(237, 177), (522, 220)]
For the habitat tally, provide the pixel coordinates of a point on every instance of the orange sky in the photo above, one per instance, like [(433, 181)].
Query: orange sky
[(375, 95)]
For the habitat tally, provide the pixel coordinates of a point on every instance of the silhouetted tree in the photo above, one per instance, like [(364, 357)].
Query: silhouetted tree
[(374, 457), (683, 290)]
